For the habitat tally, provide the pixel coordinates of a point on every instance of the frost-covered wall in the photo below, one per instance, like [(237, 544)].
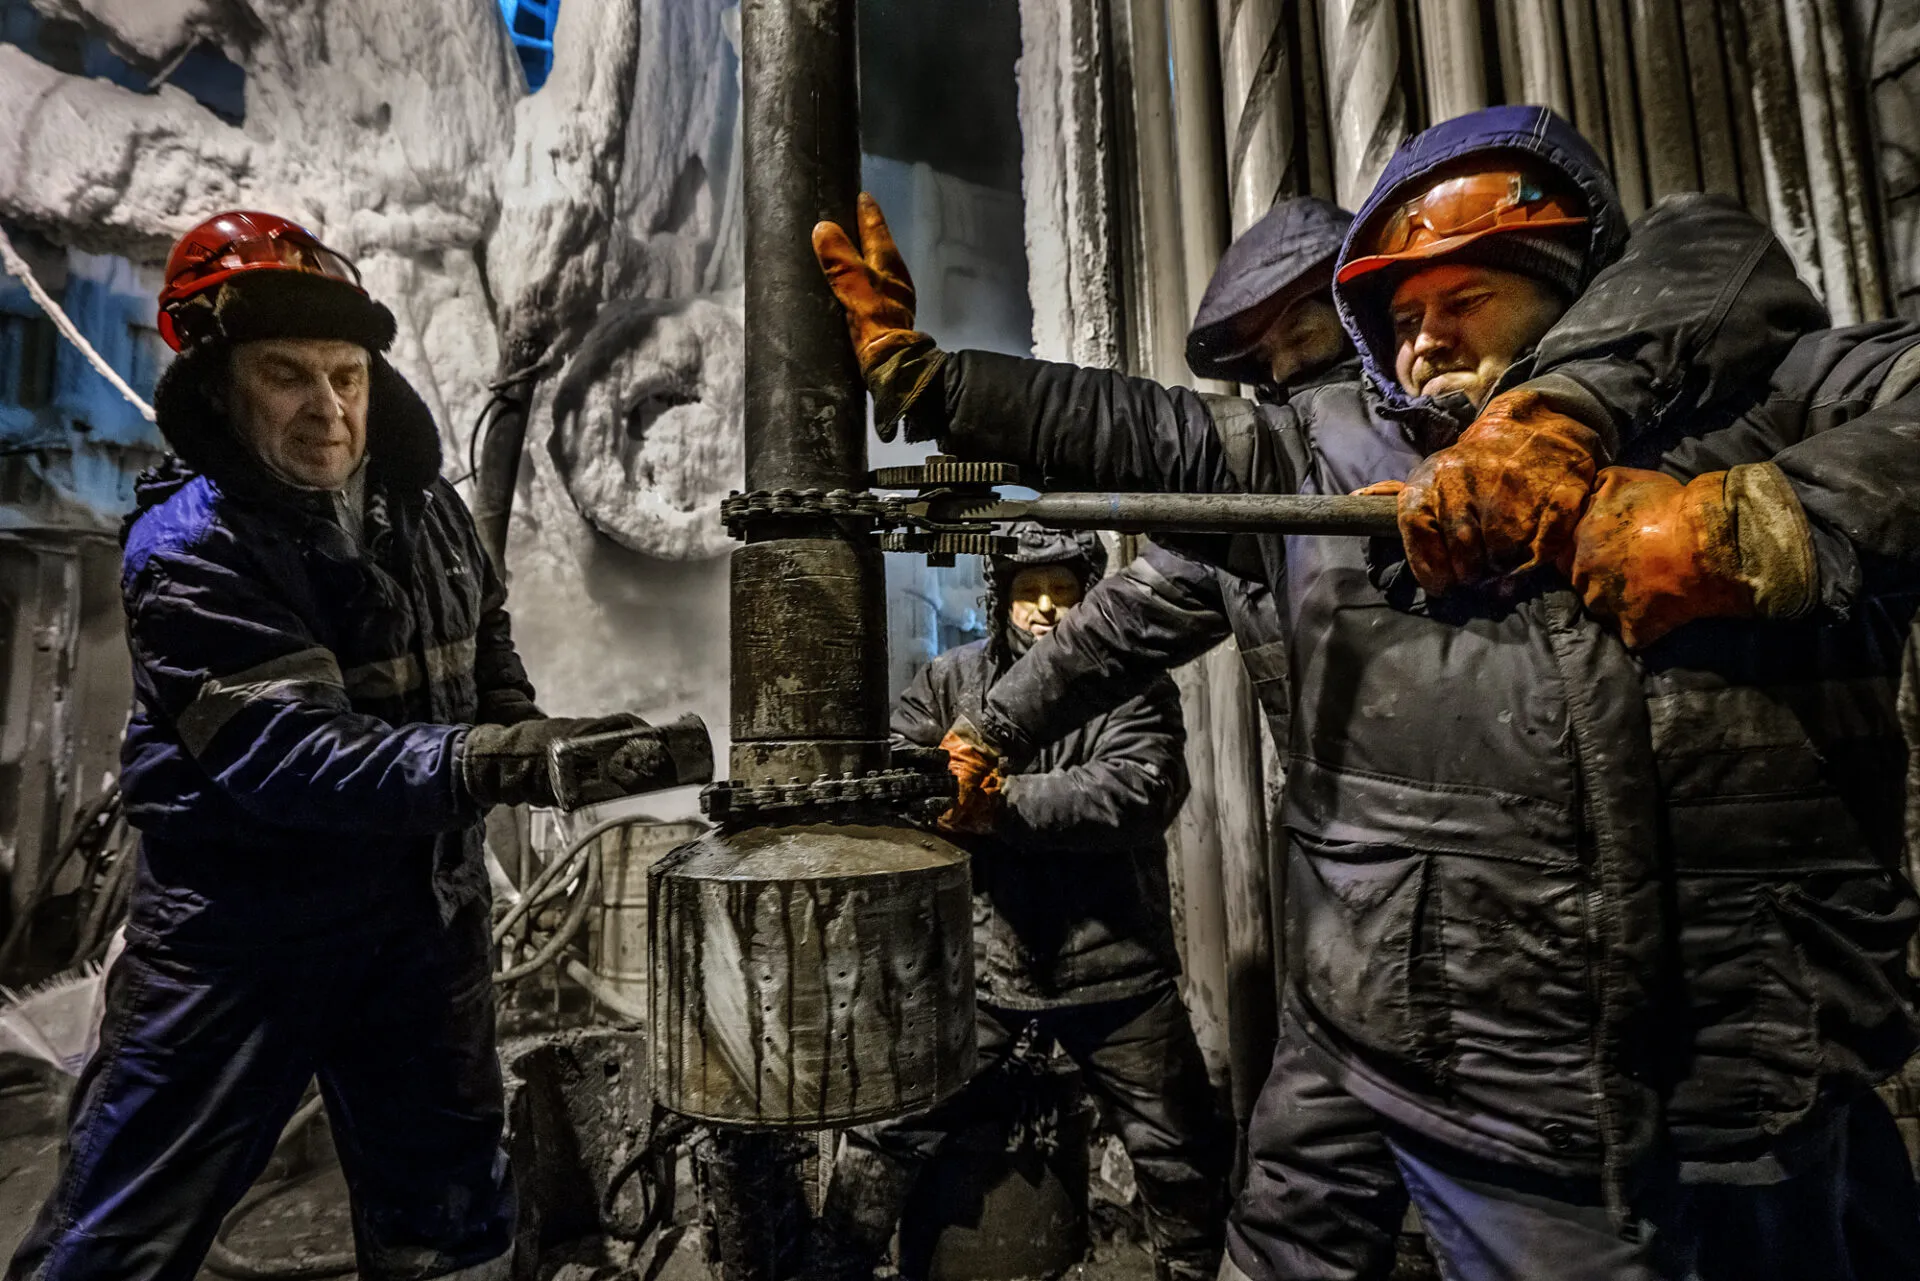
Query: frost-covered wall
[(588, 227)]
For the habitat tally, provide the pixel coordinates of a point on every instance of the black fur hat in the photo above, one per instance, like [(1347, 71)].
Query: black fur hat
[(283, 304)]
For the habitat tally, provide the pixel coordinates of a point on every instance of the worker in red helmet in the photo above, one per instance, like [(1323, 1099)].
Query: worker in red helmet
[(327, 701)]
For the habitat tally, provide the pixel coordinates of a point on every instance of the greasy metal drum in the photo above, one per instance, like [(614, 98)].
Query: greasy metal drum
[(817, 975)]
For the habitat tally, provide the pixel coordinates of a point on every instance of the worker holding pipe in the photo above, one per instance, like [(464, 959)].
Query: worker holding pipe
[(1267, 321), (327, 702), (1597, 929), (1072, 935)]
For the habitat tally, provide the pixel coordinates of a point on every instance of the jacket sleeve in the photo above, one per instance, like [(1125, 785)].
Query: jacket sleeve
[(919, 720), (1841, 419), (259, 703), (1123, 797), (1699, 309), (1157, 613), (1074, 428), (1859, 485)]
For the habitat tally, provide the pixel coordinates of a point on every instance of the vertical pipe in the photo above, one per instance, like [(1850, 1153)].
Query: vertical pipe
[(1666, 116), (1623, 104), (1746, 128), (1200, 174), (1246, 894), (1315, 132), (1707, 80), (1367, 107), (1066, 180), (1585, 83), (1157, 304), (1258, 64), (1456, 59), (1194, 844), (1851, 150), (1540, 76), (1239, 877), (804, 400), (1826, 189), (1783, 149), (802, 710)]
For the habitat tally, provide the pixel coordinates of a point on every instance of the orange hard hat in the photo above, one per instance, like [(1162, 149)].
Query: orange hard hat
[(237, 242), (1453, 213)]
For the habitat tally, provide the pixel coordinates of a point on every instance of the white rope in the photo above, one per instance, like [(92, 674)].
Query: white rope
[(18, 269)]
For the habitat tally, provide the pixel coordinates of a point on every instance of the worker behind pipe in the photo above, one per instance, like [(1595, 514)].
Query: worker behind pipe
[(327, 702), (1594, 951), (1266, 320), (1073, 934)]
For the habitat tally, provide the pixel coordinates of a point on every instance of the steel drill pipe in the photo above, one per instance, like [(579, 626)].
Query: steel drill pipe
[(818, 973)]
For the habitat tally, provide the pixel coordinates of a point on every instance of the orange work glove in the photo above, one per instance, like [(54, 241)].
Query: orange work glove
[(1501, 500), (980, 776), (1652, 553), (897, 360)]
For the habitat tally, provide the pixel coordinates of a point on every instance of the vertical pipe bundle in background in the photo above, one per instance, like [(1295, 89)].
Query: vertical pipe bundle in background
[(1366, 102)]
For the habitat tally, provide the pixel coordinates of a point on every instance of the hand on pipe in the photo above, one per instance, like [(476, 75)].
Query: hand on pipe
[(873, 284)]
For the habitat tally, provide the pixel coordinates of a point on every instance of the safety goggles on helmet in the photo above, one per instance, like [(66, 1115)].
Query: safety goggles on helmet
[(1457, 211)]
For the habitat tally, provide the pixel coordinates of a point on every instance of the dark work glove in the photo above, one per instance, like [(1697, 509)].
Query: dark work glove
[(509, 764), (507, 706)]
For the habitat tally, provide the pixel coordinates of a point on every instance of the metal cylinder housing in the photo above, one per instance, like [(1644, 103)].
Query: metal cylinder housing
[(821, 974)]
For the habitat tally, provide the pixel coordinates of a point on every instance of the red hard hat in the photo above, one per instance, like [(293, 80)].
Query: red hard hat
[(231, 244)]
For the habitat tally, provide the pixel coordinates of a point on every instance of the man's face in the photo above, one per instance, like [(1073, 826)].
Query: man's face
[(1457, 328), (1042, 595), (1304, 339), (301, 404)]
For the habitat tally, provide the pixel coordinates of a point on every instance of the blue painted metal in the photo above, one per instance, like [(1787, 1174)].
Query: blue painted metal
[(59, 419), (218, 83), (530, 23)]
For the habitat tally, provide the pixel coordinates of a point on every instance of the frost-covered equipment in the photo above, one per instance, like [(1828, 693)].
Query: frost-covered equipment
[(812, 958)]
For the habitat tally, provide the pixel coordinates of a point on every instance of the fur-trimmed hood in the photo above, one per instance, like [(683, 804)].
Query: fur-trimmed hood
[(403, 444), (1527, 134)]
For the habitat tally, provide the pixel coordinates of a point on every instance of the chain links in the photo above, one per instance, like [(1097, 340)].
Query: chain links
[(912, 789), (903, 530), (737, 509)]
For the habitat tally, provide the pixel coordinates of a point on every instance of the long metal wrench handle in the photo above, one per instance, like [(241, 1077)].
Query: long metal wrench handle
[(1362, 516)]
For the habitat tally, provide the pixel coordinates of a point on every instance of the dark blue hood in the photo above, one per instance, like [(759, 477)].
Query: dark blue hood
[(1534, 132), (1295, 240)]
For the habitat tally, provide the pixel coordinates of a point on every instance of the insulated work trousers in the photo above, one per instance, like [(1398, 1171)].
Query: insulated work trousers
[(1140, 1059), (203, 1059), (1329, 1183)]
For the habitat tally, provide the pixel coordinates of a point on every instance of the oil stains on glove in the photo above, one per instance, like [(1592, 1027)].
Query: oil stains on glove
[(898, 362), (1653, 554), (1502, 500)]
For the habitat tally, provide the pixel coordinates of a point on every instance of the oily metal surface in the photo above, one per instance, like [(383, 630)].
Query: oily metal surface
[(809, 660), (811, 976), (805, 405)]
